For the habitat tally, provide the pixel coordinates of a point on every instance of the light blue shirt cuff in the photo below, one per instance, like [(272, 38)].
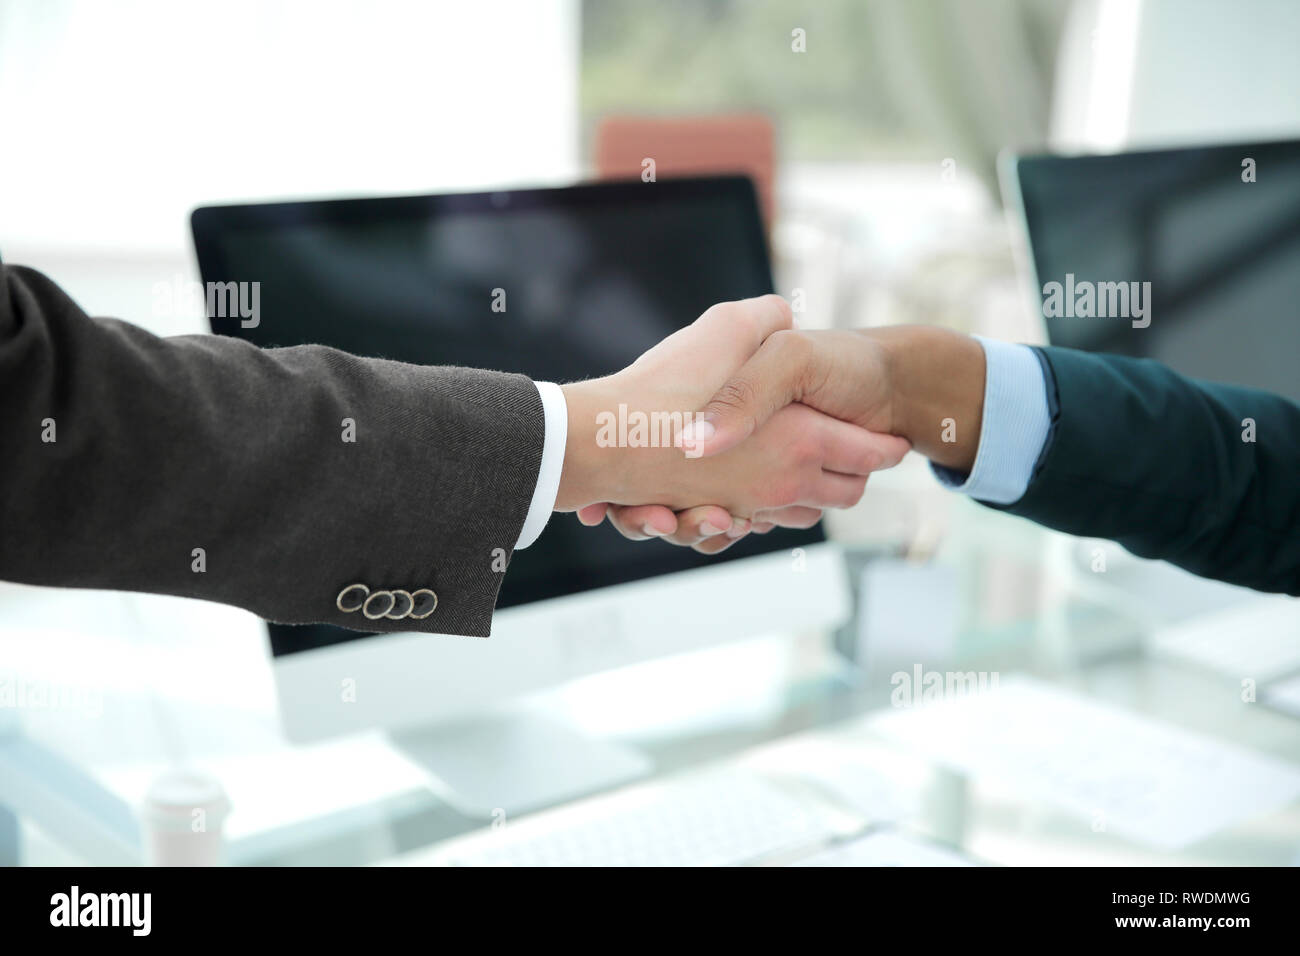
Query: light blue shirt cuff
[(1014, 429)]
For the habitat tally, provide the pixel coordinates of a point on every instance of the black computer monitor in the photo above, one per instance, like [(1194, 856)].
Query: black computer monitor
[(593, 275), (1215, 230)]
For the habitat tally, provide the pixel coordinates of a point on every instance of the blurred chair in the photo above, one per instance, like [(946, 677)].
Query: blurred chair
[(691, 146)]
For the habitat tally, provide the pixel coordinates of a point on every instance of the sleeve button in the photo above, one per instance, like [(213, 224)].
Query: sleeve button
[(423, 603), (351, 598), (402, 604), (378, 604)]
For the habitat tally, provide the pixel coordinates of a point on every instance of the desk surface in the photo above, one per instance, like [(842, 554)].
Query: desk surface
[(986, 819), (356, 801)]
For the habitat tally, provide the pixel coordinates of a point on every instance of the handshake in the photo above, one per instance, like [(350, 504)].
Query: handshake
[(740, 423)]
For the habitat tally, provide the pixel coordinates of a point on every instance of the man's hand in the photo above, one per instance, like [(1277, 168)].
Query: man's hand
[(796, 463), (922, 384)]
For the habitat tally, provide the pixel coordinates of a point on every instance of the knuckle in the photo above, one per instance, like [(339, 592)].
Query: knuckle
[(784, 314), (809, 451), (724, 313), (787, 312), (736, 394)]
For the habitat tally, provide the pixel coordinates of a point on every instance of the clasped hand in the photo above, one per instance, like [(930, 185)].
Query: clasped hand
[(738, 459)]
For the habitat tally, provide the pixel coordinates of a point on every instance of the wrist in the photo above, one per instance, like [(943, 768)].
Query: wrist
[(591, 473), (936, 385)]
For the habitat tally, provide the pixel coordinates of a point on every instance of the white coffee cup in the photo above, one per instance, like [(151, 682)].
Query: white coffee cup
[(183, 815)]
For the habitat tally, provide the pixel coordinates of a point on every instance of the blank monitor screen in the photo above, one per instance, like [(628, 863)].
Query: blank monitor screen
[(1222, 254), (592, 276)]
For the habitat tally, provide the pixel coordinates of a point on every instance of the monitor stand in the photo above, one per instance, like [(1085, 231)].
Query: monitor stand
[(500, 766)]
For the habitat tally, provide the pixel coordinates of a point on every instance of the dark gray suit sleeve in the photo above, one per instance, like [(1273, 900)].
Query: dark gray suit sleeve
[(1199, 474), (122, 454)]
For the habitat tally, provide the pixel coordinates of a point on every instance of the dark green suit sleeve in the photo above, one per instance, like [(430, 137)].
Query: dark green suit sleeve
[(205, 467), (1202, 475)]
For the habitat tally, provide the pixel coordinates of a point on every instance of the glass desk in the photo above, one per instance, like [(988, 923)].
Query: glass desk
[(1020, 602)]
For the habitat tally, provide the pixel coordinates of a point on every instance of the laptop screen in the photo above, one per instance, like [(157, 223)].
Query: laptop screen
[(584, 279), (1215, 231)]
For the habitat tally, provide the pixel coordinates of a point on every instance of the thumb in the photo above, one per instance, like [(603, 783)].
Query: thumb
[(764, 385)]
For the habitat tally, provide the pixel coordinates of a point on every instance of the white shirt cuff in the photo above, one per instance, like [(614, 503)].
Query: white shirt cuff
[(1014, 428), (555, 412)]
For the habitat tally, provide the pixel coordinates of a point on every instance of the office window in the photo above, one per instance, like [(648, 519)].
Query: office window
[(865, 80)]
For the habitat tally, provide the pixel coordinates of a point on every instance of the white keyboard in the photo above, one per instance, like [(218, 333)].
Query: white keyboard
[(718, 819), (1124, 773), (887, 848), (1257, 638)]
